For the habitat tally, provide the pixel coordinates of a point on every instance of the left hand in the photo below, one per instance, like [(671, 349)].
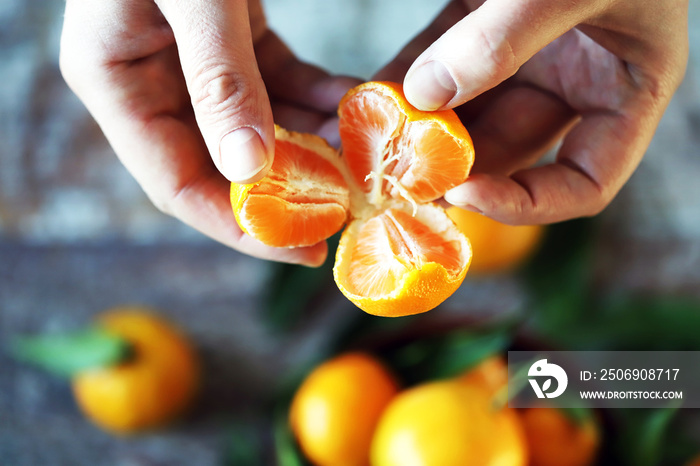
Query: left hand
[(522, 74)]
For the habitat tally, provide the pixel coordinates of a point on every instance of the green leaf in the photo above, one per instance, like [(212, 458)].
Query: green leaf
[(578, 414), (244, 447), (286, 450), (635, 322), (447, 355), (643, 437), (464, 350), (559, 277), (292, 289), (67, 354)]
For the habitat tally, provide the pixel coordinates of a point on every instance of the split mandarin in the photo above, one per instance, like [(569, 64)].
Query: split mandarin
[(400, 254)]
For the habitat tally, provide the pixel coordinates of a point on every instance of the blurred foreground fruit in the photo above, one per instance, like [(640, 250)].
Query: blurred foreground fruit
[(448, 423), (496, 247), (151, 387), (400, 253), (335, 411), (555, 440)]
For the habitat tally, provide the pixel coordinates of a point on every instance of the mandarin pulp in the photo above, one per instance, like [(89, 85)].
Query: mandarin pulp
[(400, 253)]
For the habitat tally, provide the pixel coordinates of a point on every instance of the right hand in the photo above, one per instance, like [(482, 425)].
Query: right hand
[(177, 90)]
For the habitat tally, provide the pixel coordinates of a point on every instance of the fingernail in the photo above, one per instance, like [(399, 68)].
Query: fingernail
[(471, 208), (316, 261), (456, 198), (430, 86), (242, 155)]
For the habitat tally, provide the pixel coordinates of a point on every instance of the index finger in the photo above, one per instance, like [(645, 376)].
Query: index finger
[(595, 160)]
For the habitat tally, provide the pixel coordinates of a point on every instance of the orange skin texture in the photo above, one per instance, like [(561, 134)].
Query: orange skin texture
[(335, 410), (447, 423), (497, 247), (555, 440), (422, 291), (491, 374), (450, 172), (147, 391)]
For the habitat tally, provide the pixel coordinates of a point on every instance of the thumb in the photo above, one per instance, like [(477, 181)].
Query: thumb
[(228, 95), (485, 48)]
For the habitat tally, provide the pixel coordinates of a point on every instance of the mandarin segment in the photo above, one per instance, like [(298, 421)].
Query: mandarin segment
[(407, 153), (436, 161), (369, 121), (303, 200), (398, 264)]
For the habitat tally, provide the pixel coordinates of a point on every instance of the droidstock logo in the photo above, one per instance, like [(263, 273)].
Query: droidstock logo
[(544, 369)]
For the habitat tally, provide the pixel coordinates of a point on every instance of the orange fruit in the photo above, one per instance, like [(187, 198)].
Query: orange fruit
[(335, 410), (400, 254), (555, 440), (491, 374), (497, 247), (695, 461), (447, 423), (152, 387), (303, 200)]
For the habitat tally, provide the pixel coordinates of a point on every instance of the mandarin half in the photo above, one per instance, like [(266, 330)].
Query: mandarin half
[(400, 254)]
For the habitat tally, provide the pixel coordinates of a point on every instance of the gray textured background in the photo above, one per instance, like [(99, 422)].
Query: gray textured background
[(77, 235)]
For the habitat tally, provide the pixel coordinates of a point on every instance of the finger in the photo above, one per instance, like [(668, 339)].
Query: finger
[(169, 159), (396, 69), (399, 65), (517, 129), (597, 157), (293, 118), (136, 94), (215, 45), (297, 83), (487, 47)]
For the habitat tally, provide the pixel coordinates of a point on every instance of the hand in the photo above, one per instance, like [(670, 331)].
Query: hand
[(177, 90), (599, 73)]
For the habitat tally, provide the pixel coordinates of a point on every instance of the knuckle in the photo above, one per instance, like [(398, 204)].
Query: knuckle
[(170, 197), (596, 208), (600, 203), (595, 204), (69, 64), (499, 56), (162, 199), (163, 204), (218, 91)]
